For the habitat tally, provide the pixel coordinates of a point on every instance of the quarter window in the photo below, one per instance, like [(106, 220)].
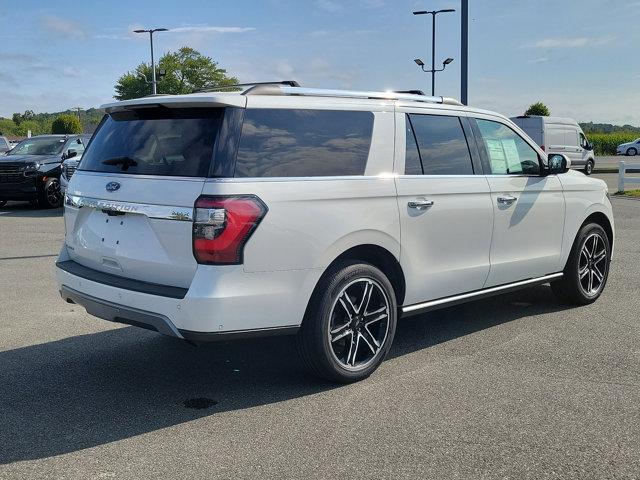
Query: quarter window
[(441, 145), (303, 143), (506, 152)]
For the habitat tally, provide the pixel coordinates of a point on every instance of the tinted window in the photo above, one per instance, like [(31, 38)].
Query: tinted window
[(442, 145), (412, 164), (303, 143), (506, 152), (155, 141)]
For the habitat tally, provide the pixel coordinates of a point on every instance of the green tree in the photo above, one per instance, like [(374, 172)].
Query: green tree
[(66, 124), (187, 70), (538, 108)]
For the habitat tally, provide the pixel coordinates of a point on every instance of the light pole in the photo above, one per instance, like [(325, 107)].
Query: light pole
[(433, 43), (464, 52), (154, 82)]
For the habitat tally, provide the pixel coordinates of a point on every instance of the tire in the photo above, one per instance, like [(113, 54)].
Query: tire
[(588, 168), (327, 341), (587, 267), (49, 196), (632, 152)]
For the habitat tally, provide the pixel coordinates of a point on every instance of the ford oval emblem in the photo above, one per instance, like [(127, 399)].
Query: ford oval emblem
[(112, 186)]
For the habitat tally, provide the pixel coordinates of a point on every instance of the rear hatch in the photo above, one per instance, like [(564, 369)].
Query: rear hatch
[(129, 206)]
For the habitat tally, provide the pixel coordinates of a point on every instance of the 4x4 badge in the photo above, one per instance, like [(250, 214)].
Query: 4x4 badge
[(112, 186)]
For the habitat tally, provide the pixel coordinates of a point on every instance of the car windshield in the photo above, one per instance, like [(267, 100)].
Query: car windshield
[(39, 146)]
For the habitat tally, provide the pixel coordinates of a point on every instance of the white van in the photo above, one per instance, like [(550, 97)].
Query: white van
[(559, 135)]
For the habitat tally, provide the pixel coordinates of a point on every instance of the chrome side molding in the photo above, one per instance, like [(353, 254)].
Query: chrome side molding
[(486, 292), (162, 212)]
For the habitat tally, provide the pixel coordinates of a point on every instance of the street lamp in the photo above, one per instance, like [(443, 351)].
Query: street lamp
[(154, 82), (433, 44), (420, 63)]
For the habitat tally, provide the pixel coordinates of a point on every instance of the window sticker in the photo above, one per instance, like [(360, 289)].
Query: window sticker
[(512, 156), (496, 156)]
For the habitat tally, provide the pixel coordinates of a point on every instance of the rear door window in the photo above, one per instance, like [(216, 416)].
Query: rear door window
[(303, 143), (155, 141), (441, 144)]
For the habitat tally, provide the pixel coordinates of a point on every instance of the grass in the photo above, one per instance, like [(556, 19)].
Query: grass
[(630, 193), (606, 143)]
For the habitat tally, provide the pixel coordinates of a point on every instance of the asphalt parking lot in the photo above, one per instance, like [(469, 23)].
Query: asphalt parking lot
[(510, 387)]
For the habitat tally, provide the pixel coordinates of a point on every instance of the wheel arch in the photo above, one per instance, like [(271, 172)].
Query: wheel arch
[(602, 220)]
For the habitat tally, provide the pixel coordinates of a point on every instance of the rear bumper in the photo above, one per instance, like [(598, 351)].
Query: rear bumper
[(221, 303)]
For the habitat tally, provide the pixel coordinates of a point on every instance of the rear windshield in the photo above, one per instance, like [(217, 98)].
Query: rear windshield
[(155, 141)]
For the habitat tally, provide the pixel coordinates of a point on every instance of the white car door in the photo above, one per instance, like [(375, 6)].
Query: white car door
[(529, 209), (573, 148), (446, 215)]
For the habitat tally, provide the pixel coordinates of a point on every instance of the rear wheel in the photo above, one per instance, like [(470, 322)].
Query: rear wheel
[(350, 323), (632, 151), (587, 269), (588, 168), (50, 196)]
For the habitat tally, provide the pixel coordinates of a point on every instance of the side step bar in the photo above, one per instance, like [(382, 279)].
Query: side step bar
[(476, 295)]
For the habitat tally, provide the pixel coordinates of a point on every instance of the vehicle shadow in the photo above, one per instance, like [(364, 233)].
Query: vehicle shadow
[(89, 390), (25, 209)]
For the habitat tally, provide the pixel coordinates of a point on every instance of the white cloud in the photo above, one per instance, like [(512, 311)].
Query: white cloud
[(210, 29), (62, 26), (571, 42), (538, 60), (329, 5)]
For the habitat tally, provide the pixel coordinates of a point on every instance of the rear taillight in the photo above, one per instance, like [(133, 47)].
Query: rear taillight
[(542, 147), (222, 225)]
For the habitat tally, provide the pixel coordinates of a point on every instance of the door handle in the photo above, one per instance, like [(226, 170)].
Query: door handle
[(420, 204), (506, 200)]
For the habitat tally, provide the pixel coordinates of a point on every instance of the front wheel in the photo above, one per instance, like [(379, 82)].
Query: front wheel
[(588, 168), (50, 196), (349, 324), (632, 152), (587, 269)]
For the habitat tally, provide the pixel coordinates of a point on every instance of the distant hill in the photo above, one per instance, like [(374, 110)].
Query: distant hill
[(40, 123), (591, 127)]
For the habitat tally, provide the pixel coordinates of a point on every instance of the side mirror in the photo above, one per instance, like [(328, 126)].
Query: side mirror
[(589, 146), (70, 154), (558, 163)]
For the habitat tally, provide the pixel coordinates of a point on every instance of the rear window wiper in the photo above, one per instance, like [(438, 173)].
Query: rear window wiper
[(124, 162)]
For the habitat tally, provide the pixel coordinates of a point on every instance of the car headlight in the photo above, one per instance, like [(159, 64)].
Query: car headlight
[(31, 168)]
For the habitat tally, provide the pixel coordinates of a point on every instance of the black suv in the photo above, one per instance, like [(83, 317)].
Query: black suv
[(31, 170)]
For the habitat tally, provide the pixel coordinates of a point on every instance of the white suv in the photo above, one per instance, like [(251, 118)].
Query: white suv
[(329, 214)]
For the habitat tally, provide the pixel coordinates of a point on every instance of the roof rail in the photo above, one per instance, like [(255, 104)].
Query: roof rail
[(245, 86), (275, 89), (412, 92)]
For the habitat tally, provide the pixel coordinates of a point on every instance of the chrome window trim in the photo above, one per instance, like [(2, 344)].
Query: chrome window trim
[(162, 212), (79, 171)]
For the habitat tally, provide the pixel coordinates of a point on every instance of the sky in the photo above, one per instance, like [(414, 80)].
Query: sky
[(577, 56)]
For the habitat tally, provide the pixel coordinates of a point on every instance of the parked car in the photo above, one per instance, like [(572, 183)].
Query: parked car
[(31, 170), (629, 148), (560, 135), (5, 146), (70, 165), (321, 213)]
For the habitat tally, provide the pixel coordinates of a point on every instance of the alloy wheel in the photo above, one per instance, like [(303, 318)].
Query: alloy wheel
[(359, 324), (592, 265), (53, 194)]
